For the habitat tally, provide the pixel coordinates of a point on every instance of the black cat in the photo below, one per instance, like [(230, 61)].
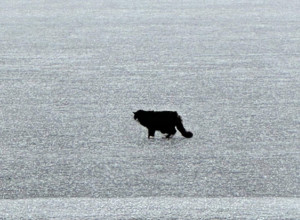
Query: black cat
[(164, 121)]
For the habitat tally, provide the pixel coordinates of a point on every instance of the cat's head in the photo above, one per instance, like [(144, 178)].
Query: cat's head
[(138, 114)]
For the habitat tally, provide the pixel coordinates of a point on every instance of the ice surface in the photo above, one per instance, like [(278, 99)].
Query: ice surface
[(152, 208), (72, 73)]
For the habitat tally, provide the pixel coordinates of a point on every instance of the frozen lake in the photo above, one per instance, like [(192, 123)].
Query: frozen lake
[(72, 73), (152, 208)]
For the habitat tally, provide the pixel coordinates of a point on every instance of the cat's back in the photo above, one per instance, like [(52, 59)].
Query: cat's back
[(164, 116), (157, 117)]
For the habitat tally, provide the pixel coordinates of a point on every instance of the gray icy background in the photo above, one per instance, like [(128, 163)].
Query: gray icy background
[(72, 72)]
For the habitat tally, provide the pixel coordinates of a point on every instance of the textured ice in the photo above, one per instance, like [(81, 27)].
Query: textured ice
[(72, 73), (151, 208)]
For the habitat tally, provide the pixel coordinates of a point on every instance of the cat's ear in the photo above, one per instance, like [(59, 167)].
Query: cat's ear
[(134, 112)]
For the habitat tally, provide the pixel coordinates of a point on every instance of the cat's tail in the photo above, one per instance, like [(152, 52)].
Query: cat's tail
[(182, 130)]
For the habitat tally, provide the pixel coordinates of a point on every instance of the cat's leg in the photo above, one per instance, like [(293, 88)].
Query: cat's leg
[(171, 132), (151, 133), (164, 132)]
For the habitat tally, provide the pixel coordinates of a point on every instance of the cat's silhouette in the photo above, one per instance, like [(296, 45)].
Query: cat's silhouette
[(163, 121)]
